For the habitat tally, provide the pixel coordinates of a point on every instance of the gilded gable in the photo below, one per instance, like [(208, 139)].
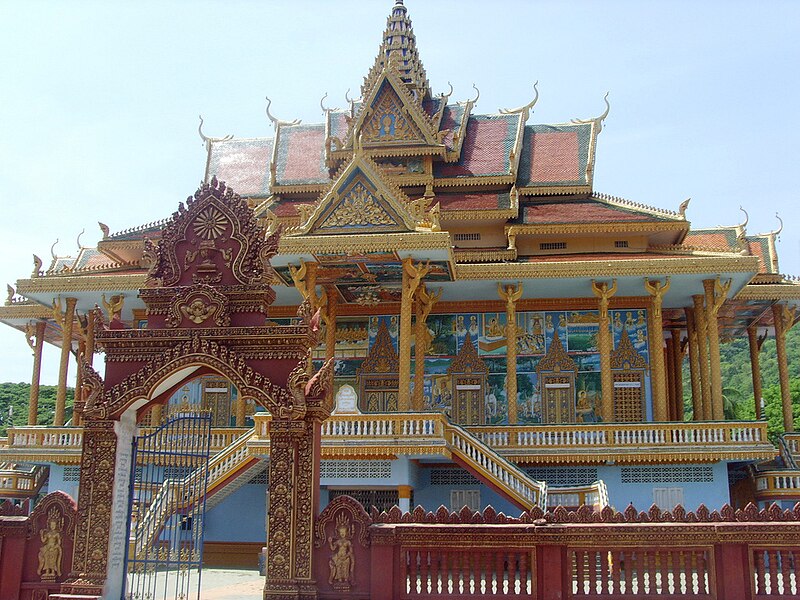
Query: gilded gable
[(389, 121)]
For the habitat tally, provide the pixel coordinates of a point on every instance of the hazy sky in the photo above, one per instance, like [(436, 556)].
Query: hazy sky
[(99, 101)]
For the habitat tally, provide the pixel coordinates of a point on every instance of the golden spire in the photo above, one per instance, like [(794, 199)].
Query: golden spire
[(399, 52)]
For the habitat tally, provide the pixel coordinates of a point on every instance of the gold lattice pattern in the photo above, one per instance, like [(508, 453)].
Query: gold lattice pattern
[(628, 397)]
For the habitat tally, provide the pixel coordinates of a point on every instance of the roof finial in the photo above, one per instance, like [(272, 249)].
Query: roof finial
[(53, 250), (206, 139), (598, 121), (276, 122), (477, 93), (523, 109), (322, 105), (746, 218), (777, 232), (682, 208), (78, 241)]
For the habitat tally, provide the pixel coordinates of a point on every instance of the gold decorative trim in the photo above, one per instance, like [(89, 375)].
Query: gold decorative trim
[(479, 255), (627, 226), (86, 283), (25, 311), (784, 291), (508, 179), (607, 268), (353, 244), (555, 190)]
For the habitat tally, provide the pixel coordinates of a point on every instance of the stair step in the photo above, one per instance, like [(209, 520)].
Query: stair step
[(73, 597)]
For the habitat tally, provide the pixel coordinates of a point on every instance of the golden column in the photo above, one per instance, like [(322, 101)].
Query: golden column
[(35, 339), (669, 363), (425, 304), (783, 319), (658, 374), (77, 402), (755, 366), (677, 371), (511, 294), (412, 276), (715, 293), (328, 300), (606, 346), (694, 366), (65, 321), (702, 351)]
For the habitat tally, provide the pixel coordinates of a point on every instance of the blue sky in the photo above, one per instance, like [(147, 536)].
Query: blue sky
[(99, 101)]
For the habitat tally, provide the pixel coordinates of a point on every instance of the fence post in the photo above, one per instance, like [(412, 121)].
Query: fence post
[(732, 567), (552, 572), (384, 578), (12, 555)]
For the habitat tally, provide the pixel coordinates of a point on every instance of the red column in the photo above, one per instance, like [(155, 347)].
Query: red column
[(12, 554), (552, 575), (734, 579)]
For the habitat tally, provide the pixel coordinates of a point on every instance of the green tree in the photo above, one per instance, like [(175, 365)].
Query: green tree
[(15, 396)]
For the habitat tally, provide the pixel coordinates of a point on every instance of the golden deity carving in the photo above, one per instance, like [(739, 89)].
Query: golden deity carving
[(198, 312), (388, 122), (51, 551), (343, 561), (358, 207), (114, 306)]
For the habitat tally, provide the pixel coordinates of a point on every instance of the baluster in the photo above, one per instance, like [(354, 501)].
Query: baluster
[(591, 573), (616, 559), (604, 558), (761, 575), (772, 557), (425, 571)]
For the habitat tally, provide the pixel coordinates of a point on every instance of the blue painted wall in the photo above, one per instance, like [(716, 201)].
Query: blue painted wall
[(241, 517), (56, 482)]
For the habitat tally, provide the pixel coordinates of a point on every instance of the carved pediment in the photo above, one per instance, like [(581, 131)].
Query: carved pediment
[(360, 200), (468, 360), (382, 357), (391, 116), (214, 239), (556, 358), (625, 356)]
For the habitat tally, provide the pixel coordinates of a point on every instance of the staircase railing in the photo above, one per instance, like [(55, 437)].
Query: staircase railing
[(233, 459), (494, 469)]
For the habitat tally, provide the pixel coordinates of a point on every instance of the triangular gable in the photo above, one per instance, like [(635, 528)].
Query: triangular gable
[(390, 116), (360, 201)]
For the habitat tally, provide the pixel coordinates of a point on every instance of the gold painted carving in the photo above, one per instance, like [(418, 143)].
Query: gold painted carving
[(113, 306), (210, 224), (358, 207), (389, 122), (198, 311), (343, 561), (50, 553)]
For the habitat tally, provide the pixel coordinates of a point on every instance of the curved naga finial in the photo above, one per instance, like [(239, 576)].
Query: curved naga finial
[(78, 241), (104, 228), (53, 250), (746, 218), (206, 139), (322, 105), (446, 97), (276, 122), (777, 232), (682, 208), (523, 109), (477, 93), (597, 120)]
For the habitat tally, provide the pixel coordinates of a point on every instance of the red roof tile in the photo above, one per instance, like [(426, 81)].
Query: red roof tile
[(485, 201), (579, 212), (555, 157)]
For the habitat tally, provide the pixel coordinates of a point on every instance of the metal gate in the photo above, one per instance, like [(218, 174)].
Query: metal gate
[(167, 507)]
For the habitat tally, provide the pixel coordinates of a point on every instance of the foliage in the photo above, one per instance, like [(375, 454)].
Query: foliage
[(16, 395)]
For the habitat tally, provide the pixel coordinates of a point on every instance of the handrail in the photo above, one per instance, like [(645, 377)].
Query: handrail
[(790, 448), (730, 433), (494, 467), (595, 494)]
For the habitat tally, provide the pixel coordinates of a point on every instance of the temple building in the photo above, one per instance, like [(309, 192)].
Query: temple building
[(500, 332)]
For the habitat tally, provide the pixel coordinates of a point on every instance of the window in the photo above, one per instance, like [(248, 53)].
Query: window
[(461, 498), (621, 244), (667, 498), (466, 237), (553, 246)]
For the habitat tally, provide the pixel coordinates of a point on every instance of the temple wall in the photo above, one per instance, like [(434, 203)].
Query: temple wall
[(577, 330), (63, 478), (241, 517)]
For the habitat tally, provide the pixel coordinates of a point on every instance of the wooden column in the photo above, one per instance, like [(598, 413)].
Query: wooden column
[(715, 295), (658, 374), (412, 276), (755, 366), (36, 342), (330, 296), (694, 366), (783, 319), (425, 304), (702, 347), (677, 357), (606, 345), (511, 294), (669, 363), (77, 402), (66, 322)]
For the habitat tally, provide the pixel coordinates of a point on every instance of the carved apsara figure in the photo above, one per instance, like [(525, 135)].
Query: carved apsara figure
[(50, 553), (343, 561)]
